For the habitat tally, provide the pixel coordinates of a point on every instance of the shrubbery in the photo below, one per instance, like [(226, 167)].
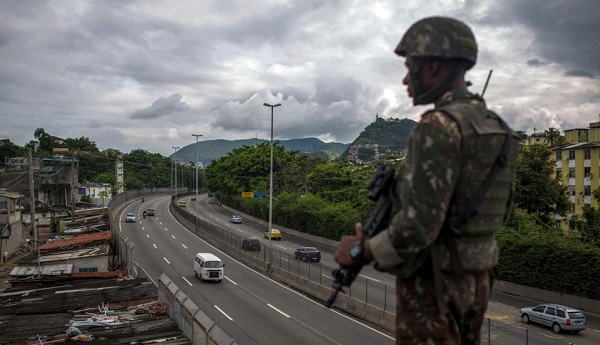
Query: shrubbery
[(545, 258)]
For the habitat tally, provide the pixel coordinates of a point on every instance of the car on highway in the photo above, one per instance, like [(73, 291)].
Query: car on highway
[(151, 212), (251, 243), (275, 234), (130, 217), (235, 219), (182, 203), (559, 317), (307, 254)]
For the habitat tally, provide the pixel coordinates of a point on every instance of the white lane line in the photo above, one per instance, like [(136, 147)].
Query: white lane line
[(173, 236), (147, 235), (155, 247), (143, 228), (160, 223), (239, 230), (326, 276), (166, 260), (279, 311), (222, 312), (183, 245), (280, 247), (232, 282), (187, 281), (373, 279), (166, 229)]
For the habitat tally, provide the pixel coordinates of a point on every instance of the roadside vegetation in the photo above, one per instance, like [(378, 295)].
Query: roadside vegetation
[(325, 199)]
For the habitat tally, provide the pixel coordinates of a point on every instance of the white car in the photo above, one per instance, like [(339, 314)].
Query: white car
[(236, 219), (130, 218)]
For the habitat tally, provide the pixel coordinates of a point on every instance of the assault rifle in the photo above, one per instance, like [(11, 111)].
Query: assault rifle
[(380, 185)]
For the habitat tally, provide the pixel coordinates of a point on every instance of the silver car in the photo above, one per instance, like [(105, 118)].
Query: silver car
[(130, 218), (557, 316), (236, 219)]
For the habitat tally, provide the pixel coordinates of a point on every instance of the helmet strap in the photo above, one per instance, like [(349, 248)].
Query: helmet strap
[(433, 94)]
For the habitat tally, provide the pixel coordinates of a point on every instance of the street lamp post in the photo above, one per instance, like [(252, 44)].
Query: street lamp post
[(196, 166), (175, 173), (271, 187)]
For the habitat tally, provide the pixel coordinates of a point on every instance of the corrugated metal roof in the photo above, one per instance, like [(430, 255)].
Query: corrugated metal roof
[(103, 236), (10, 195), (47, 270)]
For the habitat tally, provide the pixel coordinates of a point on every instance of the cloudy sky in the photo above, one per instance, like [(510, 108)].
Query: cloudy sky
[(148, 74)]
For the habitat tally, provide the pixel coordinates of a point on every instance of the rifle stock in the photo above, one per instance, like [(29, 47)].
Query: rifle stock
[(380, 185)]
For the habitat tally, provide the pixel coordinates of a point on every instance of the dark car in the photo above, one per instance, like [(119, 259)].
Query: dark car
[(307, 254), (251, 243), (151, 212)]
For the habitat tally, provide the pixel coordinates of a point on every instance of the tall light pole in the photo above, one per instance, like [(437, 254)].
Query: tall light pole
[(271, 187), (175, 164), (196, 166)]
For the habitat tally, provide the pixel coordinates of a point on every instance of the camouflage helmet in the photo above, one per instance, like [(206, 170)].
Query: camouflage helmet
[(440, 37)]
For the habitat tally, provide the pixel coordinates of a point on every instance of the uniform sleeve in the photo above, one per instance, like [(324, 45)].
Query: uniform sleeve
[(424, 188)]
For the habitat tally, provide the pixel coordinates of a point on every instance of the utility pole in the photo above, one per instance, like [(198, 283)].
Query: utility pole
[(36, 245), (73, 186), (175, 173)]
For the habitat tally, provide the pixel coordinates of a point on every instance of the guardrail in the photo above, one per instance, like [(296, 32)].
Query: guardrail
[(232, 244)]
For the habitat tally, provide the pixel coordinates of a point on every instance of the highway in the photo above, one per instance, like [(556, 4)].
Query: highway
[(254, 309), (248, 306)]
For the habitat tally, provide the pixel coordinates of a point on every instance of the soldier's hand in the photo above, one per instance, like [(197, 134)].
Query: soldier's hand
[(342, 252)]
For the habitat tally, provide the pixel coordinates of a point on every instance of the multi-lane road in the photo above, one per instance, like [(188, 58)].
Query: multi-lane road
[(254, 309), (248, 306)]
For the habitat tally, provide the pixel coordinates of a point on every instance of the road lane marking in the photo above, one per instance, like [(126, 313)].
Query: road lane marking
[(166, 260), (160, 223), (222, 312), (187, 281), (166, 229), (279, 311), (373, 279), (173, 236), (155, 247), (183, 245), (232, 282), (326, 276), (240, 230), (280, 247), (147, 235)]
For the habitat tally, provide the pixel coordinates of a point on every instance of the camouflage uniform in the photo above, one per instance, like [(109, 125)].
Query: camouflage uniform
[(449, 156)]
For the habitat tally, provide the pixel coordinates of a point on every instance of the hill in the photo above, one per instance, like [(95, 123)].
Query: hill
[(382, 137), (210, 150)]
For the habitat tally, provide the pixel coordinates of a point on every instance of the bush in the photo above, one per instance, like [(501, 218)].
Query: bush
[(549, 261)]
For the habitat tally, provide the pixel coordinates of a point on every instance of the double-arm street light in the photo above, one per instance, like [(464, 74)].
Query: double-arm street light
[(271, 187), (196, 166), (175, 173)]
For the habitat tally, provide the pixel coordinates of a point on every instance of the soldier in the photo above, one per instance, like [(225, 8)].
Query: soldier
[(451, 196)]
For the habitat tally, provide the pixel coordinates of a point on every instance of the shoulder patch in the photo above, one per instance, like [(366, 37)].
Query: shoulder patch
[(442, 121)]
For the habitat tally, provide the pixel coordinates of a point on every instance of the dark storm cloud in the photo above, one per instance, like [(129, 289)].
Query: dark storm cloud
[(536, 62), (566, 31), (580, 73), (160, 107)]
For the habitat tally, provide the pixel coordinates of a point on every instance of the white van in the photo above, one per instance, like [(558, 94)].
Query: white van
[(208, 266)]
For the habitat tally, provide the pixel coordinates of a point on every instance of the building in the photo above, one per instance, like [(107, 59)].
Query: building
[(87, 253), (578, 165), (99, 193), (54, 179), (12, 234)]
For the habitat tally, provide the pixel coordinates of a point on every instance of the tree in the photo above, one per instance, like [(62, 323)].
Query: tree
[(10, 150), (536, 191), (47, 142)]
